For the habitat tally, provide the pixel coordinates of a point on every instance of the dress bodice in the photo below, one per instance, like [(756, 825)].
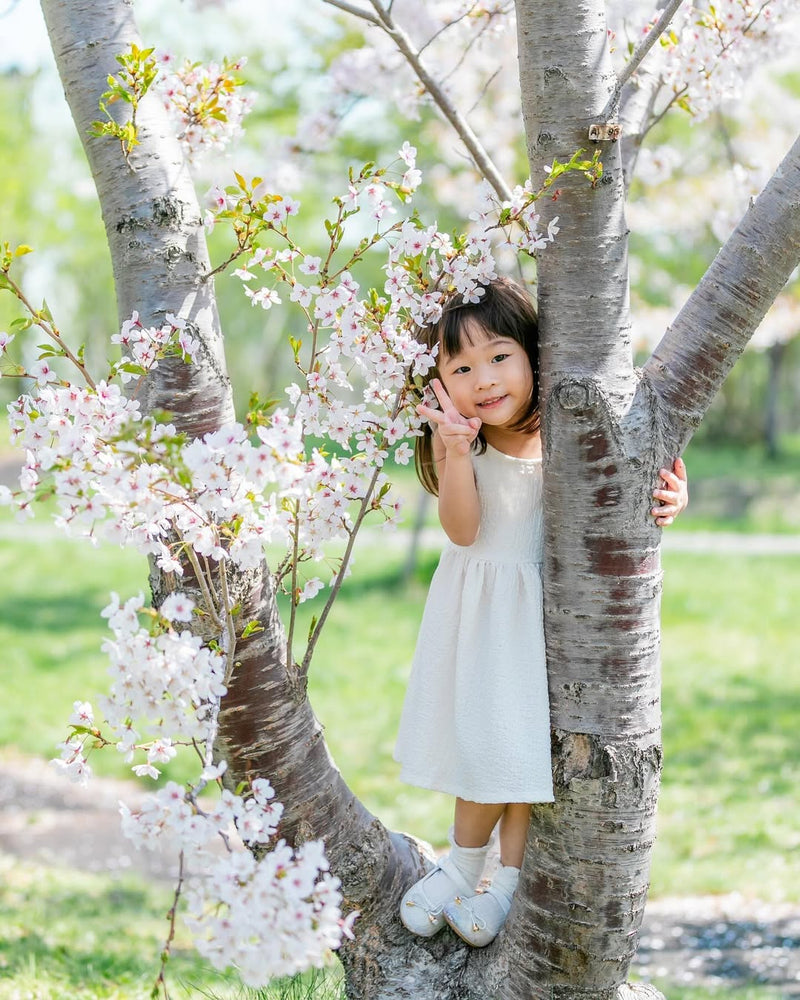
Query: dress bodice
[(510, 492)]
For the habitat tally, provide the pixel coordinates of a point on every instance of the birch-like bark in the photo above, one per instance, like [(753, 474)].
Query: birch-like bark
[(573, 927), (709, 334), (150, 210), (584, 882)]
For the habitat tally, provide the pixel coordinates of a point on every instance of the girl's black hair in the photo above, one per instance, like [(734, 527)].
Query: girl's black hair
[(505, 309)]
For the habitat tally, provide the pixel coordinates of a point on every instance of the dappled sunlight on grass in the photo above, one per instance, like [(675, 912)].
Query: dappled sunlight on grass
[(72, 934), (728, 817)]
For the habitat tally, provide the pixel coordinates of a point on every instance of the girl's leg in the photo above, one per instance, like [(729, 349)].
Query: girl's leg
[(474, 822), (479, 918), (458, 872), (513, 833)]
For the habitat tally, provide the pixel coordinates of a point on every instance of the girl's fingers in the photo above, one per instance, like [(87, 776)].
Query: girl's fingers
[(670, 478), (435, 416), (441, 394), (664, 509)]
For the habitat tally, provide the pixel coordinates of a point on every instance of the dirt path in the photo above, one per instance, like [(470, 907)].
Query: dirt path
[(723, 942)]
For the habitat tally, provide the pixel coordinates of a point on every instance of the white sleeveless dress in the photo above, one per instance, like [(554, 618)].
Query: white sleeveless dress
[(476, 719)]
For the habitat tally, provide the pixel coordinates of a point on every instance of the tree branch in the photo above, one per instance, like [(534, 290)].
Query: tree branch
[(716, 323), (350, 8), (480, 156), (639, 54)]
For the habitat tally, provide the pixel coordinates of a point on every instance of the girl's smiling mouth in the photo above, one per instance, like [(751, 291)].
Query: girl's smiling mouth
[(494, 401)]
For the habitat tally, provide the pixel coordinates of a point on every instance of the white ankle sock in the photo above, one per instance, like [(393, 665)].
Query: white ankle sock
[(504, 884), (469, 861)]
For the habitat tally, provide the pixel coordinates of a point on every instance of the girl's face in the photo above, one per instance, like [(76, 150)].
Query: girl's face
[(489, 377)]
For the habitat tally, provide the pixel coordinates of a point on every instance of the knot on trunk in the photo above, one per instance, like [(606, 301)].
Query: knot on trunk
[(576, 395)]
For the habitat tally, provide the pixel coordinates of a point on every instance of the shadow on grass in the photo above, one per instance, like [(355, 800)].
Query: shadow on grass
[(53, 613)]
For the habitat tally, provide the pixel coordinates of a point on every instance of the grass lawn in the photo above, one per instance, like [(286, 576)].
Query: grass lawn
[(69, 935), (729, 816)]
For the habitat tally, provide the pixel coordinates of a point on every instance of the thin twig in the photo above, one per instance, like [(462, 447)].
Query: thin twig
[(202, 582), (485, 88), (476, 37), (446, 27), (355, 11), (50, 329), (673, 100), (364, 508), (293, 596), (480, 156), (639, 54), (230, 625), (162, 980)]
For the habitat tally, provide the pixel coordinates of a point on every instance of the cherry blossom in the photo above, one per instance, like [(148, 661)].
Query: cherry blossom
[(207, 103), (216, 501)]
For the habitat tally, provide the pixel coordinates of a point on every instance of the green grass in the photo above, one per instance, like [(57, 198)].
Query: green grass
[(674, 991), (729, 811), (735, 488), (729, 815), (69, 935)]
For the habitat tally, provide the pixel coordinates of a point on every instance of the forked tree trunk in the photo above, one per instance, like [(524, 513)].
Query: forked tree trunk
[(573, 927), (607, 431)]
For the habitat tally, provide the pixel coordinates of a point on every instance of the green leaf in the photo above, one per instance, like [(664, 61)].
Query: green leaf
[(21, 323), (22, 249), (251, 628), (11, 370)]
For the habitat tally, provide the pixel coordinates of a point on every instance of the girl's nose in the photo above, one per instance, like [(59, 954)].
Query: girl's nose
[(484, 377)]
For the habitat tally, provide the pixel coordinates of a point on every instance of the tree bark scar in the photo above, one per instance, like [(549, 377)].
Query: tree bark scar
[(610, 558), (578, 755), (576, 396)]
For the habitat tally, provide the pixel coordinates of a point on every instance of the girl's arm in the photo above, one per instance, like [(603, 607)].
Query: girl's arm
[(459, 506)]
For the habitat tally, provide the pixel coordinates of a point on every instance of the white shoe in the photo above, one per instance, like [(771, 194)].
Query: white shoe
[(479, 918), (421, 907)]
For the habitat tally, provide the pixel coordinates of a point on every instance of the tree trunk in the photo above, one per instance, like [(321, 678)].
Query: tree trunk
[(573, 927), (152, 218)]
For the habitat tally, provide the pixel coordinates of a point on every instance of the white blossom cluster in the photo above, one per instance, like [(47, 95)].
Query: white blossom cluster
[(207, 103), (163, 681), (713, 48), (266, 917), (217, 500)]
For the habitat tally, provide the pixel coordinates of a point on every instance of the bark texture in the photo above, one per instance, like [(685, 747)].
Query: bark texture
[(150, 210), (586, 869), (575, 918)]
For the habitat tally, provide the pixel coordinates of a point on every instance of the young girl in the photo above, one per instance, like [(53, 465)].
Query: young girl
[(476, 722)]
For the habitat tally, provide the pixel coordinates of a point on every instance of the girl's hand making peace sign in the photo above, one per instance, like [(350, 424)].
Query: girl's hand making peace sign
[(456, 432)]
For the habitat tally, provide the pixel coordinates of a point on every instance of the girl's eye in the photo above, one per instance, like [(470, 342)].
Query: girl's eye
[(461, 370), (499, 357)]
